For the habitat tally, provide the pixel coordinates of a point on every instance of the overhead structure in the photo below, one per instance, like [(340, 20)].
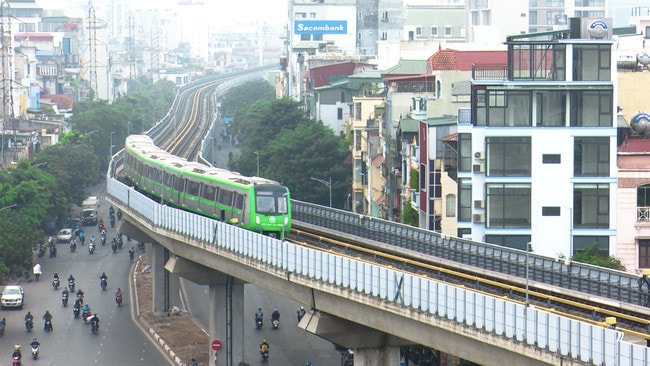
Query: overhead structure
[(92, 49), (6, 54)]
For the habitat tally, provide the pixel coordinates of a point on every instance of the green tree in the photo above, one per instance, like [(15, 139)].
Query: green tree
[(242, 96), (591, 255)]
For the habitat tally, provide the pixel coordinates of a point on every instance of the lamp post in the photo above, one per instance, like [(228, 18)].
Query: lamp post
[(128, 128), (111, 154), (527, 266), (326, 184), (258, 162), (7, 207)]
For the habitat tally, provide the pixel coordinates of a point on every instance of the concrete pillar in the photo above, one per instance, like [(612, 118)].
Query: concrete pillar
[(383, 356), (148, 248), (226, 323), (174, 290), (158, 274)]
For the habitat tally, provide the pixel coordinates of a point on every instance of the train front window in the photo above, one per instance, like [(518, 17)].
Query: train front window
[(271, 201)]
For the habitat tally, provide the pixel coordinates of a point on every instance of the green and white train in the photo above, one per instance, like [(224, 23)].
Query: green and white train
[(253, 203)]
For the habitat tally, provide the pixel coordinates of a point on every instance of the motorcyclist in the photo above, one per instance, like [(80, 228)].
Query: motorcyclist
[(92, 239), (275, 315), (47, 318), (71, 283), (29, 320), (3, 322), (114, 244), (111, 211), (35, 343), (82, 236), (85, 310), (37, 271), (80, 296), (259, 316), (131, 253), (103, 280), (16, 353), (55, 280), (118, 296), (94, 322), (76, 308), (64, 296), (264, 347)]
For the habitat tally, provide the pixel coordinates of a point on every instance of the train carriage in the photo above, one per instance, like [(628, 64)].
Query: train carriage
[(255, 203)]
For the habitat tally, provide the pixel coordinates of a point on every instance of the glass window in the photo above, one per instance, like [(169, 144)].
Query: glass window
[(225, 197), (465, 152), (317, 37), (193, 188), (591, 206), (450, 205), (550, 108), (465, 199), (591, 62), (551, 159), (508, 205), (508, 156), (644, 253), (448, 31), (510, 241), (208, 192), (434, 31), (580, 243), (550, 211), (591, 157), (591, 108)]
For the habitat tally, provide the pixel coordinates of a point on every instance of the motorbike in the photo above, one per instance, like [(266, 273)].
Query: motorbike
[(85, 315), (2, 329), (119, 214), (34, 351), (275, 323), (75, 310), (118, 299), (91, 248), (265, 355), (103, 239), (71, 285), (258, 323), (73, 246), (112, 221), (55, 283), (103, 283), (29, 325), (64, 299), (52, 252), (16, 361), (114, 246), (48, 325), (94, 327)]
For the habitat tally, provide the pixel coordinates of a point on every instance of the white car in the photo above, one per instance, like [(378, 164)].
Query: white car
[(64, 236), (12, 297)]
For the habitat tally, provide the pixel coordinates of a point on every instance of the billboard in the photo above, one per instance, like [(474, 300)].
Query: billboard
[(320, 27)]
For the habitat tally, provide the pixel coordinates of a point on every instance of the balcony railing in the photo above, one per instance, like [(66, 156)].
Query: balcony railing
[(643, 214), (490, 72)]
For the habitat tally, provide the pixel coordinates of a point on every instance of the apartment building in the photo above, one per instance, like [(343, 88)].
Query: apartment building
[(537, 160)]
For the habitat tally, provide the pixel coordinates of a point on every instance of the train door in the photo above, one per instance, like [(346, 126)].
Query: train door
[(225, 204), (207, 198), (239, 202)]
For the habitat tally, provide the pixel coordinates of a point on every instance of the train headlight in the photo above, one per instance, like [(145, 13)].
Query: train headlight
[(258, 220)]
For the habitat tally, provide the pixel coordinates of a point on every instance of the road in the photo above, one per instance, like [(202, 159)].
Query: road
[(120, 340)]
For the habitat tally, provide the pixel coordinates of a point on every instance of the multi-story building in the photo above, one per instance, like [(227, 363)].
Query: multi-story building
[(545, 15), (485, 20), (537, 163)]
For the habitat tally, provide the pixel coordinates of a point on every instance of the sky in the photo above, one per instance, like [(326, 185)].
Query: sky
[(229, 11)]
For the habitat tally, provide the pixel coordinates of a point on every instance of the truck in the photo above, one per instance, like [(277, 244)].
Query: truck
[(89, 211)]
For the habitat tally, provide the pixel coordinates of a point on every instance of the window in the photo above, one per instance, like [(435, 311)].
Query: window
[(359, 36), (359, 15), (508, 156), (551, 159), (450, 205), (465, 155), (486, 17), (550, 108), (384, 36), (434, 31), (342, 97), (317, 37), (418, 31), (384, 16), (448, 31), (591, 157), (591, 108), (509, 241), (550, 211), (464, 199), (644, 253), (193, 188), (591, 206), (643, 203), (208, 192), (225, 197), (508, 205), (592, 62), (503, 108), (339, 113), (580, 243), (305, 37)]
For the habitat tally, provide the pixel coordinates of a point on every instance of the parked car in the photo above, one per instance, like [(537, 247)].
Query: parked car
[(12, 297), (64, 236)]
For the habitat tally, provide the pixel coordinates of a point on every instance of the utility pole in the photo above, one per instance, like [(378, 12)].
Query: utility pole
[(92, 48), (7, 75)]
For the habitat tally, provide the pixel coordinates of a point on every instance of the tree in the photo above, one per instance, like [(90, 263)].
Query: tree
[(244, 95), (591, 255)]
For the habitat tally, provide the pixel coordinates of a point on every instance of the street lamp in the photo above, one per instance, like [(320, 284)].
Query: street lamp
[(128, 128), (326, 184), (258, 162), (112, 132), (527, 266), (6, 207)]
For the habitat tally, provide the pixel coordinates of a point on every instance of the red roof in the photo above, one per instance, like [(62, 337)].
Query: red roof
[(450, 59), (35, 36), (635, 146), (62, 101)]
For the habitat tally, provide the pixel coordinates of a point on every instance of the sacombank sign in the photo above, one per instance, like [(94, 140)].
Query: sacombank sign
[(320, 27)]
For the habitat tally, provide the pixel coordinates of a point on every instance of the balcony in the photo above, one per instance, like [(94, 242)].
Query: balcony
[(643, 214), (490, 72)]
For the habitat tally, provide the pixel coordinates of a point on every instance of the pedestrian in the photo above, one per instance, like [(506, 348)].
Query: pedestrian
[(194, 363)]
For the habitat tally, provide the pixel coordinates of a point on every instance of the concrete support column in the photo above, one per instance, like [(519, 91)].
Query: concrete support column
[(158, 281), (226, 323), (383, 356), (148, 248), (174, 291)]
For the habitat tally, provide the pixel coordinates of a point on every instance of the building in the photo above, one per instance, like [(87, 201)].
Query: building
[(537, 162)]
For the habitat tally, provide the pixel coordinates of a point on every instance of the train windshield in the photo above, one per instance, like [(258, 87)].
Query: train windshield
[(271, 200)]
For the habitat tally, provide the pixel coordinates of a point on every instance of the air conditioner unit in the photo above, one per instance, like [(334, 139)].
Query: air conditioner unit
[(479, 204), (478, 218), (478, 168), (478, 155)]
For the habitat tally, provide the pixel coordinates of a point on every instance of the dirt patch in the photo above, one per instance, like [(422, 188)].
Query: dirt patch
[(181, 333)]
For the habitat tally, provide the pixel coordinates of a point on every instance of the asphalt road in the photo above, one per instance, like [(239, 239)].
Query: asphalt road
[(120, 340)]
